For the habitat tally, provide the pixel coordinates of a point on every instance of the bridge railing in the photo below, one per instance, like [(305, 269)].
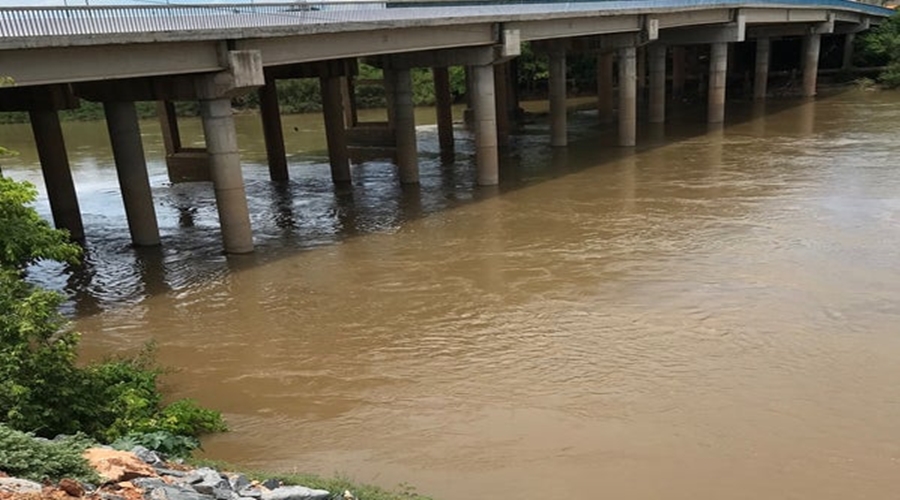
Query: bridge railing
[(130, 19)]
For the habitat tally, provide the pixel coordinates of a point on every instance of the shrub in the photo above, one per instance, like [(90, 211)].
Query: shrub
[(22, 455)]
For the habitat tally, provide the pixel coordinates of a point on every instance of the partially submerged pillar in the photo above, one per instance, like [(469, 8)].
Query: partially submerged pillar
[(405, 127), (847, 58), (605, 92), (557, 83), (272, 131), (657, 53), (627, 96), (485, 109), (811, 44), (335, 133), (761, 76), (51, 150), (443, 102), (718, 68), (678, 71), (182, 164), (225, 170), (501, 100), (131, 169)]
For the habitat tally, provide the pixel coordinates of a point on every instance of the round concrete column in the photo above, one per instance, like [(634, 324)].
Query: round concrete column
[(657, 53), (605, 87), (51, 150), (761, 75), (718, 70), (443, 102), (486, 159), (405, 127), (847, 59), (627, 96), (225, 171), (558, 132), (131, 168), (335, 134), (811, 46), (678, 72), (272, 131)]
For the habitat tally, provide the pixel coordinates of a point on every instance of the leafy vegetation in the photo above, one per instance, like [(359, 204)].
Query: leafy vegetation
[(21, 455), (42, 389), (883, 44)]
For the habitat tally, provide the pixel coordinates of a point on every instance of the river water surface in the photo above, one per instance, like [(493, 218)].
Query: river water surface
[(716, 315)]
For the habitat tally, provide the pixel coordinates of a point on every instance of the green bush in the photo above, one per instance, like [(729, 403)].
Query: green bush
[(882, 44), (21, 455), (42, 390)]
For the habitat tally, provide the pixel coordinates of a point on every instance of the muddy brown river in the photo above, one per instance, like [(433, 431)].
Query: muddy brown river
[(716, 315)]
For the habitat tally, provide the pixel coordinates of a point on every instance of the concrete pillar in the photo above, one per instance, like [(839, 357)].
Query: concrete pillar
[(761, 76), (657, 53), (168, 124), (557, 83), (225, 170), (335, 133), (443, 102), (348, 102), (627, 96), (718, 70), (512, 87), (811, 46), (469, 112), (501, 98), (605, 86), (678, 72), (272, 131), (57, 177), (405, 128), (131, 168), (486, 154), (847, 63), (641, 71)]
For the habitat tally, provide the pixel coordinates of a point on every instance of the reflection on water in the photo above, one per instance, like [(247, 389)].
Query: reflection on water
[(711, 316)]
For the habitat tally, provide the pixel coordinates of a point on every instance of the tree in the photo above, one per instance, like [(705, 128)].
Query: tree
[(884, 42)]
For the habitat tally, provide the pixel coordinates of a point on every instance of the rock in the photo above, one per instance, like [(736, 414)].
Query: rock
[(271, 483), (71, 487), (250, 492), (175, 493), (148, 483), (238, 481), (148, 456), (210, 480), (295, 493), (162, 471), (16, 485), (224, 494), (115, 466)]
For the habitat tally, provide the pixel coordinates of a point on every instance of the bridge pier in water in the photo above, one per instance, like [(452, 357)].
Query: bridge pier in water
[(627, 96), (443, 102), (718, 81), (657, 57), (811, 45), (557, 89), (131, 169), (761, 71), (51, 149), (605, 90)]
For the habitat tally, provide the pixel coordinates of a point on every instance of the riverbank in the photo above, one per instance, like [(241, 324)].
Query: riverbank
[(141, 474)]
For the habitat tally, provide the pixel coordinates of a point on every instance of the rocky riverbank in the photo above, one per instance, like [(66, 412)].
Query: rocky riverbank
[(142, 474)]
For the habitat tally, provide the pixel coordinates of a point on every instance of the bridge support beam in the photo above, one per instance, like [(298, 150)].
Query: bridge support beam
[(405, 126), (718, 69), (657, 53), (605, 91), (225, 170), (183, 164), (57, 176), (761, 76), (811, 44), (627, 96), (272, 131), (557, 83), (678, 71), (847, 58), (485, 110), (335, 133), (443, 102), (131, 168)]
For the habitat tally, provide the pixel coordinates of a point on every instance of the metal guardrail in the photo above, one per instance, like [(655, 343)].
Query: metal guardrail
[(131, 19)]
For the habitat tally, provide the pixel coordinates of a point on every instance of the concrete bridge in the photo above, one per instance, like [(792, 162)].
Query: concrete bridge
[(211, 53)]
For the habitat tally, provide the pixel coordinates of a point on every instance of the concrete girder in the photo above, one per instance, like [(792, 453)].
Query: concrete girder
[(851, 27), (325, 46), (776, 15), (97, 63), (316, 69), (466, 56), (732, 32), (801, 29), (567, 28), (694, 18), (603, 43)]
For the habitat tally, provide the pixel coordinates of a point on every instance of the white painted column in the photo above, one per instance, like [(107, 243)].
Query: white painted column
[(718, 71), (486, 155), (811, 46)]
